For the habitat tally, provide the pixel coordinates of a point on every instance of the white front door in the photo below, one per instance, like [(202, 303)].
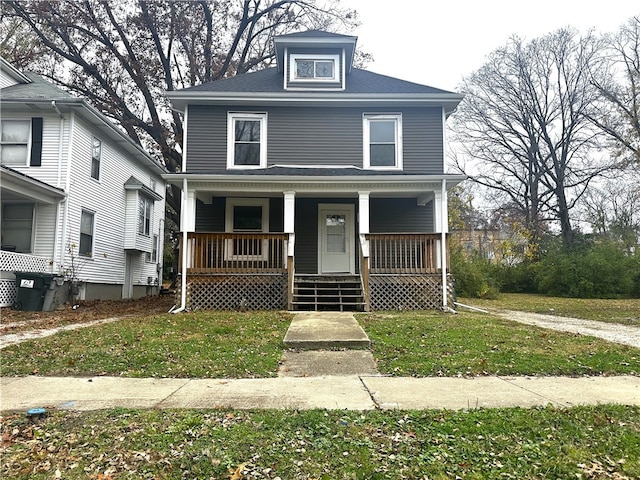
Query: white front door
[(336, 238)]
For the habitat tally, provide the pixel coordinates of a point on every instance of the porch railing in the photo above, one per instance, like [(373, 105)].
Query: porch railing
[(13, 261), (238, 253), (404, 253)]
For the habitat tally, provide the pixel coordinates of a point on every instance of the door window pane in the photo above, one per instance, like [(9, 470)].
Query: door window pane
[(336, 233)]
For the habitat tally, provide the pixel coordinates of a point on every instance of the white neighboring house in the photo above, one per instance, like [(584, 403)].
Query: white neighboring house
[(75, 191)]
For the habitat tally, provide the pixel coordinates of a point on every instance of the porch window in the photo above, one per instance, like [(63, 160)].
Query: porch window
[(17, 227), (87, 226), (247, 216), (14, 142), (382, 142), (144, 215), (96, 157), (247, 140)]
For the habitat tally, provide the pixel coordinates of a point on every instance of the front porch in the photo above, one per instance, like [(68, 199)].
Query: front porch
[(395, 271)]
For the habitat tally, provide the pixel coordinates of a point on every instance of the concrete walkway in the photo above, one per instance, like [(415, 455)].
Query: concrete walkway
[(324, 379)]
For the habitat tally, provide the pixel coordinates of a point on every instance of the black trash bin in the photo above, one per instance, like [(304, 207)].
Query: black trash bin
[(32, 288)]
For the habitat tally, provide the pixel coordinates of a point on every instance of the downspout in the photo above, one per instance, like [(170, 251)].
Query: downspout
[(183, 276), (65, 214), (56, 237)]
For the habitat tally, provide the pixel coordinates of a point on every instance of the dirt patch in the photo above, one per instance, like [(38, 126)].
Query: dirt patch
[(14, 321)]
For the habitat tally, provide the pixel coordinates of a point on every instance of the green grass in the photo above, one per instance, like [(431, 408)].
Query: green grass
[(582, 442), (625, 311), (201, 344), (440, 344), (246, 345)]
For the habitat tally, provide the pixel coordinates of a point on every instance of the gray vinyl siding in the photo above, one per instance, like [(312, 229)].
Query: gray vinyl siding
[(315, 136), (400, 215)]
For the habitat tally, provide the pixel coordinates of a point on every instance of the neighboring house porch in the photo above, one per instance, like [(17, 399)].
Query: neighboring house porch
[(29, 212)]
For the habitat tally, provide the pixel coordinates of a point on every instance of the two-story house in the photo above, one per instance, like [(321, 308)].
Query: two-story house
[(79, 198), (314, 185)]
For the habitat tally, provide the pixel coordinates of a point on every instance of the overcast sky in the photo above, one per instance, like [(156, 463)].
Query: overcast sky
[(438, 42)]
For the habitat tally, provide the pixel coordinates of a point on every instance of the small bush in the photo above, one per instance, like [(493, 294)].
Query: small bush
[(473, 276)]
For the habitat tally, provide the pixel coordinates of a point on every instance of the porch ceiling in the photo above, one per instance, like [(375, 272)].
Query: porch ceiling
[(18, 187), (326, 186)]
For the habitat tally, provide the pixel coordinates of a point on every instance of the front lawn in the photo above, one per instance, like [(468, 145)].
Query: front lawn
[(200, 344), (440, 344), (599, 442), (249, 344)]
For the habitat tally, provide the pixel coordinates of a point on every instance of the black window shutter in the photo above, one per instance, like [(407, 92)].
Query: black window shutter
[(36, 141)]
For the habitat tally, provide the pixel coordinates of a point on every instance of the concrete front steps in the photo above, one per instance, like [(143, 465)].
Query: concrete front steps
[(326, 344)]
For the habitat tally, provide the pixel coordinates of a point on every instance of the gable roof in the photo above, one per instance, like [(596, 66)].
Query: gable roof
[(36, 87)]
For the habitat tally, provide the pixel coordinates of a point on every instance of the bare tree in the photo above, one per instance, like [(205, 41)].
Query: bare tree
[(122, 55), (619, 85), (524, 126)]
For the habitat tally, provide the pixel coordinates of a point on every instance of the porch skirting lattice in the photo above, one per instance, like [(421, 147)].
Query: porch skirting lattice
[(237, 292), (408, 292)]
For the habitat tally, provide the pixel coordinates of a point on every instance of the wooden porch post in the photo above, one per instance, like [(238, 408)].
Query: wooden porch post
[(289, 227), (444, 227), (363, 228)]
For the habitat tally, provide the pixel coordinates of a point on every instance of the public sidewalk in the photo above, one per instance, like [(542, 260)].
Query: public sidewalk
[(349, 392)]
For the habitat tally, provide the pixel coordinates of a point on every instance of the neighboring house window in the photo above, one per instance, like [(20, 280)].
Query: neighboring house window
[(382, 142), (15, 138), (144, 216), (247, 140), (154, 251), (245, 215), (96, 157), (17, 227), (319, 68), (87, 226)]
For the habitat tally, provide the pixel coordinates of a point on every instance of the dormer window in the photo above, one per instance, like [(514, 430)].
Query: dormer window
[(316, 68)]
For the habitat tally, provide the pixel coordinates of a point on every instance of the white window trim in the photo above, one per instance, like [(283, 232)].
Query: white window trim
[(93, 233), (149, 212), (366, 118), (29, 139), (306, 56), (228, 226), (93, 138), (231, 119)]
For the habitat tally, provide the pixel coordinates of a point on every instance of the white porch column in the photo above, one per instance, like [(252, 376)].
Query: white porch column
[(363, 212), (289, 212), (187, 224)]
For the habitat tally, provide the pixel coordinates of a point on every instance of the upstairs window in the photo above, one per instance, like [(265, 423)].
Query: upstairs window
[(319, 68), (96, 156), (382, 143), (14, 142), (247, 140)]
